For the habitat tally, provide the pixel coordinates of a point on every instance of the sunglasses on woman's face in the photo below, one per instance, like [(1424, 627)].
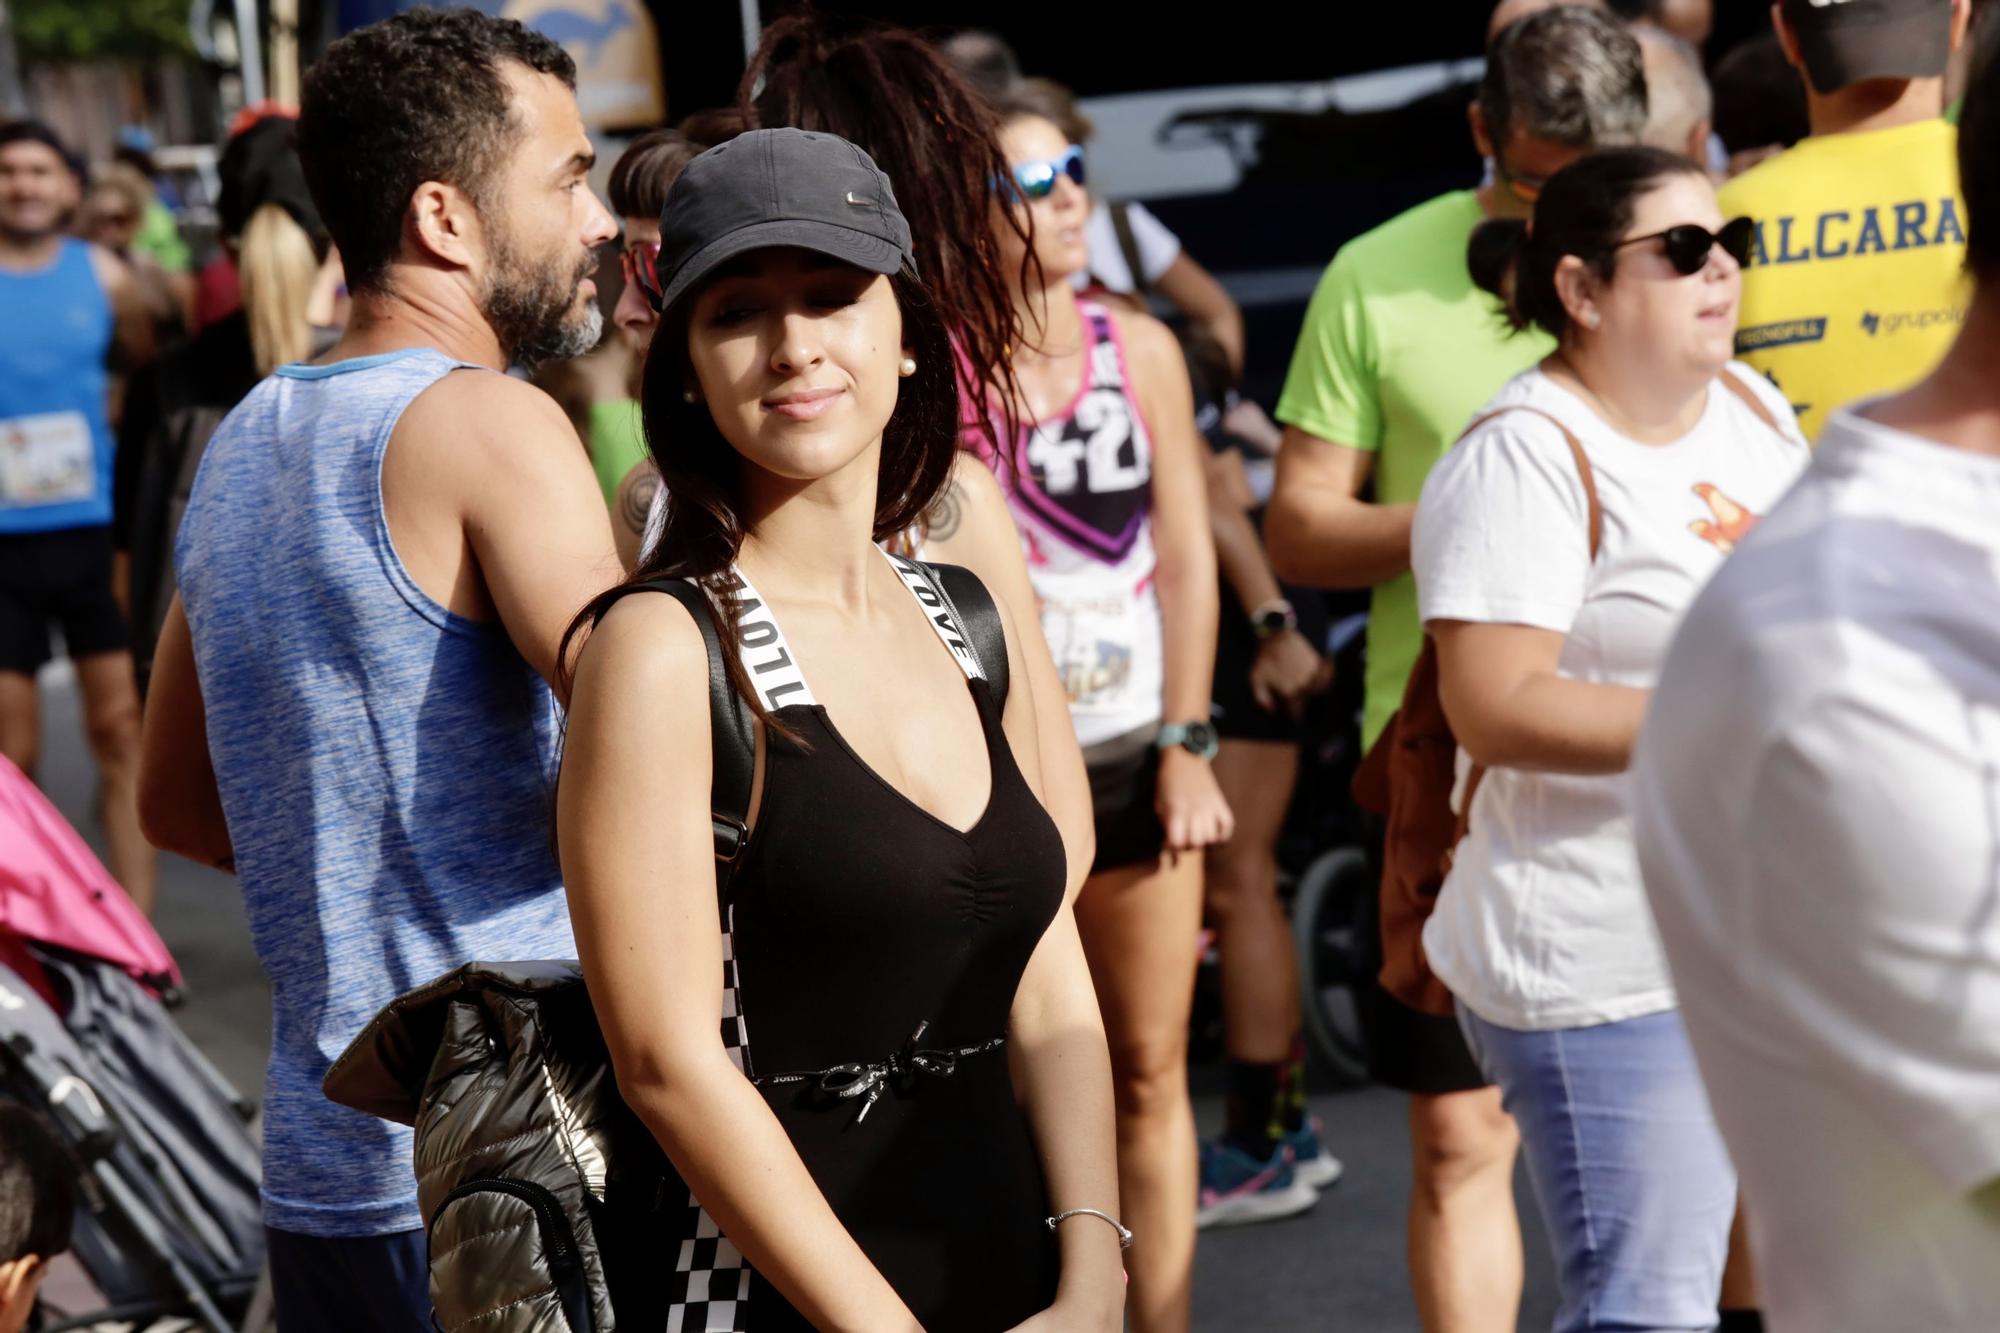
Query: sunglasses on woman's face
[(641, 262), (1687, 246), (1037, 180)]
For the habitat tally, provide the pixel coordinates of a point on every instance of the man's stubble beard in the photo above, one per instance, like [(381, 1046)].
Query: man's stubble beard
[(529, 307), (15, 238)]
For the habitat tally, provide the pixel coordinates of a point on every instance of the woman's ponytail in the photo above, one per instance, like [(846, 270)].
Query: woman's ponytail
[(1495, 257), (278, 267)]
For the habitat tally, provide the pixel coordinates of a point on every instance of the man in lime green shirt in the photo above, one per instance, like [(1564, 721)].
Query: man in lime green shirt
[(1856, 285), (1399, 350)]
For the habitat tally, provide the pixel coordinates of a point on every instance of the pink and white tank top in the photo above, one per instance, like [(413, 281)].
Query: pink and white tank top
[(1081, 492)]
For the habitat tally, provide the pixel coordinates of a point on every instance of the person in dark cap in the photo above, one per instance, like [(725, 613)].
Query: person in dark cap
[(1854, 287), (277, 246), (896, 928)]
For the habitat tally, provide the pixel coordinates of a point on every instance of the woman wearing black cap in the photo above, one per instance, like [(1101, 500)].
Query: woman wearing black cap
[(898, 909)]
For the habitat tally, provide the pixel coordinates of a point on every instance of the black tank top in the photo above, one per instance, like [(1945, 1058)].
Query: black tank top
[(877, 949)]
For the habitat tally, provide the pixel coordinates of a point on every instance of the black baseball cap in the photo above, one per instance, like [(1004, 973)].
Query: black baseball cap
[(261, 166), (779, 187), (1846, 42)]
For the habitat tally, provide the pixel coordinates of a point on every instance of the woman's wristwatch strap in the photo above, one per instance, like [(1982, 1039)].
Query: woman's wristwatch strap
[(1199, 739)]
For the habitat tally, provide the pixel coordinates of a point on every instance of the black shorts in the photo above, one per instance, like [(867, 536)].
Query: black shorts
[(61, 578), (1124, 778), (1408, 1049), (1413, 1051)]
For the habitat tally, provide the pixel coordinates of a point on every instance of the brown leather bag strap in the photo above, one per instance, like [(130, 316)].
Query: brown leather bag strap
[(1751, 400), (1593, 508)]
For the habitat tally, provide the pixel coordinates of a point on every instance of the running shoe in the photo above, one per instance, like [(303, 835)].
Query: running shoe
[(1311, 1162), (1237, 1188)]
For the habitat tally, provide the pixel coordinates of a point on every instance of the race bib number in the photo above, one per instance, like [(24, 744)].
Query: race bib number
[(1093, 641), (46, 459)]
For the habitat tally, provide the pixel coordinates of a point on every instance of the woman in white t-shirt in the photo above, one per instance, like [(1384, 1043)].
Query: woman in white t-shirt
[(1547, 653)]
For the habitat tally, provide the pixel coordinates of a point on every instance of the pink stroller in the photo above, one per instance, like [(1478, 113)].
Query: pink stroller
[(167, 1162)]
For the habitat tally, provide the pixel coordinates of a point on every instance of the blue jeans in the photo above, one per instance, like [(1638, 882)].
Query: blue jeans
[(1634, 1183), (342, 1284)]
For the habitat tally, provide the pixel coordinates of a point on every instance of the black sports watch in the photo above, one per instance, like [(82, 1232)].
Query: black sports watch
[(1273, 618), (1197, 738)]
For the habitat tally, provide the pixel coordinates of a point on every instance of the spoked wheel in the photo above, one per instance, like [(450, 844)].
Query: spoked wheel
[(1333, 923)]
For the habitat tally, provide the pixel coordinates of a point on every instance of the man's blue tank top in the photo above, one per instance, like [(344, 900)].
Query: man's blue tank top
[(55, 427), (386, 767)]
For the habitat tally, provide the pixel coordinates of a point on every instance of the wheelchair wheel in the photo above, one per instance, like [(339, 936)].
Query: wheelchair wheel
[(1333, 923)]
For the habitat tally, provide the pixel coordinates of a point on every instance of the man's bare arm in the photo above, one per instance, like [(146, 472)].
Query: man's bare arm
[(1321, 534), (488, 477), (180, 809), (1197, 294)]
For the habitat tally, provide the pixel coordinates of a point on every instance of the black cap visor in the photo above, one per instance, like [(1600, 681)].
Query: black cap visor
[(1841, 54), (858, 248)]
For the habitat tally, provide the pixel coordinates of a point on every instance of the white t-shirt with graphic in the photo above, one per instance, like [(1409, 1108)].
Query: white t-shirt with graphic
[(1542, 922)]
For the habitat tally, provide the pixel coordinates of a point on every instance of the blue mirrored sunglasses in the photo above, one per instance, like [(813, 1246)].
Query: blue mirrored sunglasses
[(1036, 180)]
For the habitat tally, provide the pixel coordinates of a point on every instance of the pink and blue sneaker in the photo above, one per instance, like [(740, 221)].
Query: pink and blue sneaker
[(1236, 1188), (1311, 1162)]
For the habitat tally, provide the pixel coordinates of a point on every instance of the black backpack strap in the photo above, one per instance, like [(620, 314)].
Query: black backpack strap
[(973, 607), (1128, 246), (729, 724)]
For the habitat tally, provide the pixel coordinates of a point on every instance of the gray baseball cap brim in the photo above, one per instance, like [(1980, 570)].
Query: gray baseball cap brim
[(859, 248)]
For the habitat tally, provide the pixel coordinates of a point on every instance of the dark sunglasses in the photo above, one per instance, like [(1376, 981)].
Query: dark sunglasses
[(641, 262), (1687, 246), (1037, 180)]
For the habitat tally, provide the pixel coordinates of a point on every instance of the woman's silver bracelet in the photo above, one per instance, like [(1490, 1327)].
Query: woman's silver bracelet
[(1124, 1236)]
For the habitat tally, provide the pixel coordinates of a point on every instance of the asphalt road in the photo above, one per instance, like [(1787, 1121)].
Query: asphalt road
[(1339, 1267)]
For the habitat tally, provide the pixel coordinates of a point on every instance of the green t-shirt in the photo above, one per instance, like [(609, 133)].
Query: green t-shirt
[(617, 442), (160, 237), (1399, 350)]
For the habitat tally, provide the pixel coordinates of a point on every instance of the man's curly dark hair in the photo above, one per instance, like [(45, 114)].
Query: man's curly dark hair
[(414, 98)]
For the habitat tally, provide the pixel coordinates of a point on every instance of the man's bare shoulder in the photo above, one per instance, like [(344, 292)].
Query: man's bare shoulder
[(472, 403), (479, 422)]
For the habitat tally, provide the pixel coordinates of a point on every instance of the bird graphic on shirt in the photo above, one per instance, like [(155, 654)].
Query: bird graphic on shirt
[(1731, 522)]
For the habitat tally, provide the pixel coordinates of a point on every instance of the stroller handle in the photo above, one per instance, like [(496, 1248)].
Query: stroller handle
[(72, 1103)]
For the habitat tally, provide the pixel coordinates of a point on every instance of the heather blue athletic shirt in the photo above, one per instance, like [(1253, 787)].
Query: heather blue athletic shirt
[(386, 767)]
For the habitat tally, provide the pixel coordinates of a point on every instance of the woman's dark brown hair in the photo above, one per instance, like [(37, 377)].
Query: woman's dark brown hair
[(701, 471), (897, 96), (1584, 210)]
